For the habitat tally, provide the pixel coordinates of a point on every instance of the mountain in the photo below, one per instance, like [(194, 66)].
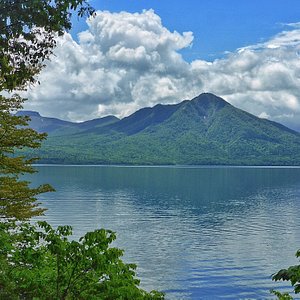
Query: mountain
[(43, 124), (205, 130), (58, 127)]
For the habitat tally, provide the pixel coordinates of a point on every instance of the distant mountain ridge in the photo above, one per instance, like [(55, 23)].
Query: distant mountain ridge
[(54, 126), (204, 130)]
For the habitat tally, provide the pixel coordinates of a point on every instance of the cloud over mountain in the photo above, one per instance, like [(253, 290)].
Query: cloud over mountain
[(125, 61)]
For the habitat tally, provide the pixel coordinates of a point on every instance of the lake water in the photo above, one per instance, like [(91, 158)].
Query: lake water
[(195, 233)]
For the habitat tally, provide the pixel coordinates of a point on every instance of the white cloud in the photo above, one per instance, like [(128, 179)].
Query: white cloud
[(127, 61)]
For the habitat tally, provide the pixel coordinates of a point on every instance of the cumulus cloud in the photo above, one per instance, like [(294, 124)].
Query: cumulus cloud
[(126, 61)]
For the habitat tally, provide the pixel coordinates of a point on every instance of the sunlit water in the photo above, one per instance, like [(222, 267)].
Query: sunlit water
[(195, 233)]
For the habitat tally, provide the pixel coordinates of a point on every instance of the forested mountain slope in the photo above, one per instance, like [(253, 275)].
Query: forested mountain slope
[(204, 130)]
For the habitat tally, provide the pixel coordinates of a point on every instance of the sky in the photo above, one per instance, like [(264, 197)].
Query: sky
[(137, 53)]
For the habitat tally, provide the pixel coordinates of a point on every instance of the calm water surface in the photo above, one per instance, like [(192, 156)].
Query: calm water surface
[(195, 233)]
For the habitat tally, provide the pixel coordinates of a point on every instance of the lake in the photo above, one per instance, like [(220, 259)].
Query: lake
[(194, 232)]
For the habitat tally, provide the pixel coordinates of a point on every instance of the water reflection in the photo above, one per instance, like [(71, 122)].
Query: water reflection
[(197, 233)]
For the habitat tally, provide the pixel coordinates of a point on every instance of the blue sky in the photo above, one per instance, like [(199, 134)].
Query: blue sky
[(138, 53), (217, 25)]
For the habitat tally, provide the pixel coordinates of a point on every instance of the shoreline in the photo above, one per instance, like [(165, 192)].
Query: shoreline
[(171, 166)]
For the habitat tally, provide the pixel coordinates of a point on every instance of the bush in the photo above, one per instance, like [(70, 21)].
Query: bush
[(39, 262)]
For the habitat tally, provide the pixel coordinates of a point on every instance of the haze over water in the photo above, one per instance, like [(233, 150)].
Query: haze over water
[(195, 233)]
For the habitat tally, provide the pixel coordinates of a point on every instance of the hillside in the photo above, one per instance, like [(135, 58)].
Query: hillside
[(205, 130), (54, 126)]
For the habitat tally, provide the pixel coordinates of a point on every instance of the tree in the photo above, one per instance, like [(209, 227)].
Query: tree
[(38, 262), (28, 29), (42, 263), (291, 274), (17, 199)]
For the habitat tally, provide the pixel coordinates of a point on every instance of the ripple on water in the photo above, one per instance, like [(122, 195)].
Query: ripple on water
[(208, 233)]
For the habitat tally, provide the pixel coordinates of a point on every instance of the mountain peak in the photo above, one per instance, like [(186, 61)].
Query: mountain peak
[(210, 98), (204, 130), (206, 104)]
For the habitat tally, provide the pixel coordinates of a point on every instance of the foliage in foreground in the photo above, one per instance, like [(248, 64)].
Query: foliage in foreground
[(28, 31), (17, 199), (291, 274), (39, 262)]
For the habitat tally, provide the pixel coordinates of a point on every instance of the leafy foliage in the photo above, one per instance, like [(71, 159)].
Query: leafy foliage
[(291, 274), (39, 262), (28, 30), (282, 296), (17, 199)]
